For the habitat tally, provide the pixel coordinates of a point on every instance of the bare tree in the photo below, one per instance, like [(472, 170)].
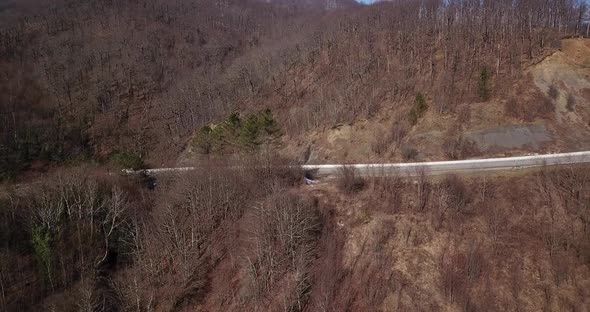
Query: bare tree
[(114, 217)]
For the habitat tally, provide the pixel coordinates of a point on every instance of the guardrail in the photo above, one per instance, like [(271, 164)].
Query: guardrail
[(461, 165), (437, 167)]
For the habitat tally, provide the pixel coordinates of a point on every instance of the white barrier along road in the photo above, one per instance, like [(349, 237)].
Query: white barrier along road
[(431, 168), (458, 166)]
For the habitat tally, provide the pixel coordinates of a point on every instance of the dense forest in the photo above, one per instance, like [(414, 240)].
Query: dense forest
[(88, 86), (255, 239), (86, 79)]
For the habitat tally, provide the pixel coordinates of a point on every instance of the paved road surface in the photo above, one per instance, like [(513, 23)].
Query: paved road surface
[(459, 166), (432, 168)]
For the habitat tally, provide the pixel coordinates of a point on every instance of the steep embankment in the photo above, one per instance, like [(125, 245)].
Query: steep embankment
[(544, 110), (565, 77), (453, 244)]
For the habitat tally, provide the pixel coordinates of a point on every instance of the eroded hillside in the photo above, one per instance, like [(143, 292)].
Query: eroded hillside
[(458, 244), (246, 90), (144, 78), (526, 117), (257, 239)]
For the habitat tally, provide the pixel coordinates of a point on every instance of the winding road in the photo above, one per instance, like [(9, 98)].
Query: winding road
[(429, 168), (458, 166)]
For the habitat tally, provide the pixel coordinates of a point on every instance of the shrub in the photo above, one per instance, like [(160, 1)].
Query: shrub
[(250, 130), (127, 160), (269, 170), (420, 107), (464, 115), (553, 92), (204, 140), (234, 121), (76, 223), (211, 138), (41, 242), (399, 130), (236, 132), (349, 181), (413, 117), (518, 108), (386, 192), (12, 162), (457, 193), (29, 144), (546, 106), (268, 123), (395, 135), (286, 230), (571, 103), (409, 153), (380, 143), (483, 85), (511, 108), (453, 278), (458, 147)]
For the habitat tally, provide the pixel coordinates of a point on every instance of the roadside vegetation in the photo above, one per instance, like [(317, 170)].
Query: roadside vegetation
[(91, 86), (127, 160), (449, 243), (75, 241), (237, 133), (418, 110), (89, 79)]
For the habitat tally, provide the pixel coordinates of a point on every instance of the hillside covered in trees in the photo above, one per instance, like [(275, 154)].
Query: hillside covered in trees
[(87, 79), (243, 88)]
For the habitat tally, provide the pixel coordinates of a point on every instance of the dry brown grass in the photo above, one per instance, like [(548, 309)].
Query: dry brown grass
[(194, 224), (465, 243), (284, 235), (349, 180), (218, 240)]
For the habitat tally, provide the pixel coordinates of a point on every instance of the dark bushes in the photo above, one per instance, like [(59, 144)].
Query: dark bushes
[(521, 109), (553, 92), (349, 180), (546, 106), (409, 152), (236, 132), (459, 147), (571, 103), (68, 228), (128, 160), (484, 84), (394, 136), (459, 273), (418, 110), (458, 195), (380, 143), (31, 128)]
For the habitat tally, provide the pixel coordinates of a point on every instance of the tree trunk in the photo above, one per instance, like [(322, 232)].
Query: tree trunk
[(2, 294), (498, 62)]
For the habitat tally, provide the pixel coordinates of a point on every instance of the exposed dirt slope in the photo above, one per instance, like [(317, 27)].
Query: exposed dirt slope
[(521, 118), (568, 72), (489, 244)]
